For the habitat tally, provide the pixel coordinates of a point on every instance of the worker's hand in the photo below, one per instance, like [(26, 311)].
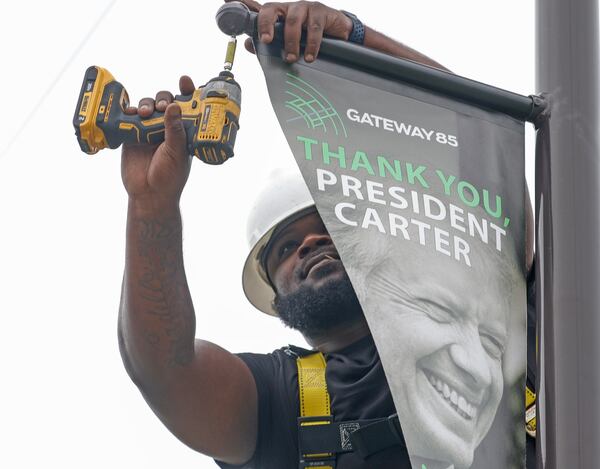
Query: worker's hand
[(314, 17), (154, 175)]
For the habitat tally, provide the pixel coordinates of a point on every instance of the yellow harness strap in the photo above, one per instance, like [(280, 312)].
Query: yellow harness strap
[(314, 403), (530, 416)]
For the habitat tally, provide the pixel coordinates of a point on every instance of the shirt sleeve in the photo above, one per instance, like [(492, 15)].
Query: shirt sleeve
[(276, 445)]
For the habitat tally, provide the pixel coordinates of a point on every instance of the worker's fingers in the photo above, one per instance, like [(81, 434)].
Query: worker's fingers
[(315, 25), (131, 110), (163, 99), (146, 107), (295, 18), (267, 17), (186, 85), (336, 23), (249, 45), (175, 141), (251, 4)]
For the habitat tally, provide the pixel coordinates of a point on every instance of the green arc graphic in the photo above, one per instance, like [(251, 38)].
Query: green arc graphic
[(312, 106)]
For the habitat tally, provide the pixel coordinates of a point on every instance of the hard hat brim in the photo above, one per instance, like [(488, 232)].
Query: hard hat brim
[(255, 282)]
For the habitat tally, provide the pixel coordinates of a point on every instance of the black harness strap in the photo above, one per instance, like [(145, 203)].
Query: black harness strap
[(364, 437), (378, 436)]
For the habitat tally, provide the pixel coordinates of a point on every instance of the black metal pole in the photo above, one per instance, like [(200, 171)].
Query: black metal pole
[(568, 210), (431, 79)]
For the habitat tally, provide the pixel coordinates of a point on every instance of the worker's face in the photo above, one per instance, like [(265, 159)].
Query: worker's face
[(443, 328), (303, 254), (314, 293)]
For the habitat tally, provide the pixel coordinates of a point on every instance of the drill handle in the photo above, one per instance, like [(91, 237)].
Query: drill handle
[(119, 127)]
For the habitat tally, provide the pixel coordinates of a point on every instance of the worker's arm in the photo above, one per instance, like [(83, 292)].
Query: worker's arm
[(205, 395), (318, 20)]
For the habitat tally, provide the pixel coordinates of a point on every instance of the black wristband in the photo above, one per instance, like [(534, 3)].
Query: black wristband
[(357, 35)]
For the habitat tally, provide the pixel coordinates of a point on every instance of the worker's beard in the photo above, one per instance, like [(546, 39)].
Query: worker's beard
[(314, 311)]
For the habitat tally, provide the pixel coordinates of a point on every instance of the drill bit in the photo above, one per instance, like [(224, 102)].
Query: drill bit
[(230, 54)]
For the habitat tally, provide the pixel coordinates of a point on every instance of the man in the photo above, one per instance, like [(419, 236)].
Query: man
[(216, 402)]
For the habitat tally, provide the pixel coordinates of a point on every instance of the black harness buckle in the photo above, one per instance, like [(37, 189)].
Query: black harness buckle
[(313, 454)]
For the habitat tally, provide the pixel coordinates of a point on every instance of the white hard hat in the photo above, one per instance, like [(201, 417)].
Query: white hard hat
[(285, 199)]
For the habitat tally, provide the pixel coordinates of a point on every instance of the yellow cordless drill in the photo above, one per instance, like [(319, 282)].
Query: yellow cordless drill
[(210, 115)]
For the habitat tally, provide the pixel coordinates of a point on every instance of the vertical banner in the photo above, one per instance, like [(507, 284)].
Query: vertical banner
[(424, 199)]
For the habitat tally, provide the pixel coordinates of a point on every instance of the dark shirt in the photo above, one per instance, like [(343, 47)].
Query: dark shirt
[(358, 390)]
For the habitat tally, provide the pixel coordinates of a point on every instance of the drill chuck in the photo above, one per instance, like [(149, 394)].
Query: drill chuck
[(235, 18)]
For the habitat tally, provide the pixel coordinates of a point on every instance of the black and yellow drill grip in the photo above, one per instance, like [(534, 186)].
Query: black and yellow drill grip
[(119, 127), (210, 117)]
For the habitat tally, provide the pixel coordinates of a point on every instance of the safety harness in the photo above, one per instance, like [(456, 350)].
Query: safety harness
[(320, 439)]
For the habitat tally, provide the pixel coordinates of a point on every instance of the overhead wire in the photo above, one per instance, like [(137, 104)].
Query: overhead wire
[(54, 82)]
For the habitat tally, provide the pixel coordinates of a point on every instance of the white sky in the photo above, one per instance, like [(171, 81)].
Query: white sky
[(66, 400)]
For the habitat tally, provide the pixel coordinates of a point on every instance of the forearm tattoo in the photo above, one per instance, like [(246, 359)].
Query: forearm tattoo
[(163, 289)]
